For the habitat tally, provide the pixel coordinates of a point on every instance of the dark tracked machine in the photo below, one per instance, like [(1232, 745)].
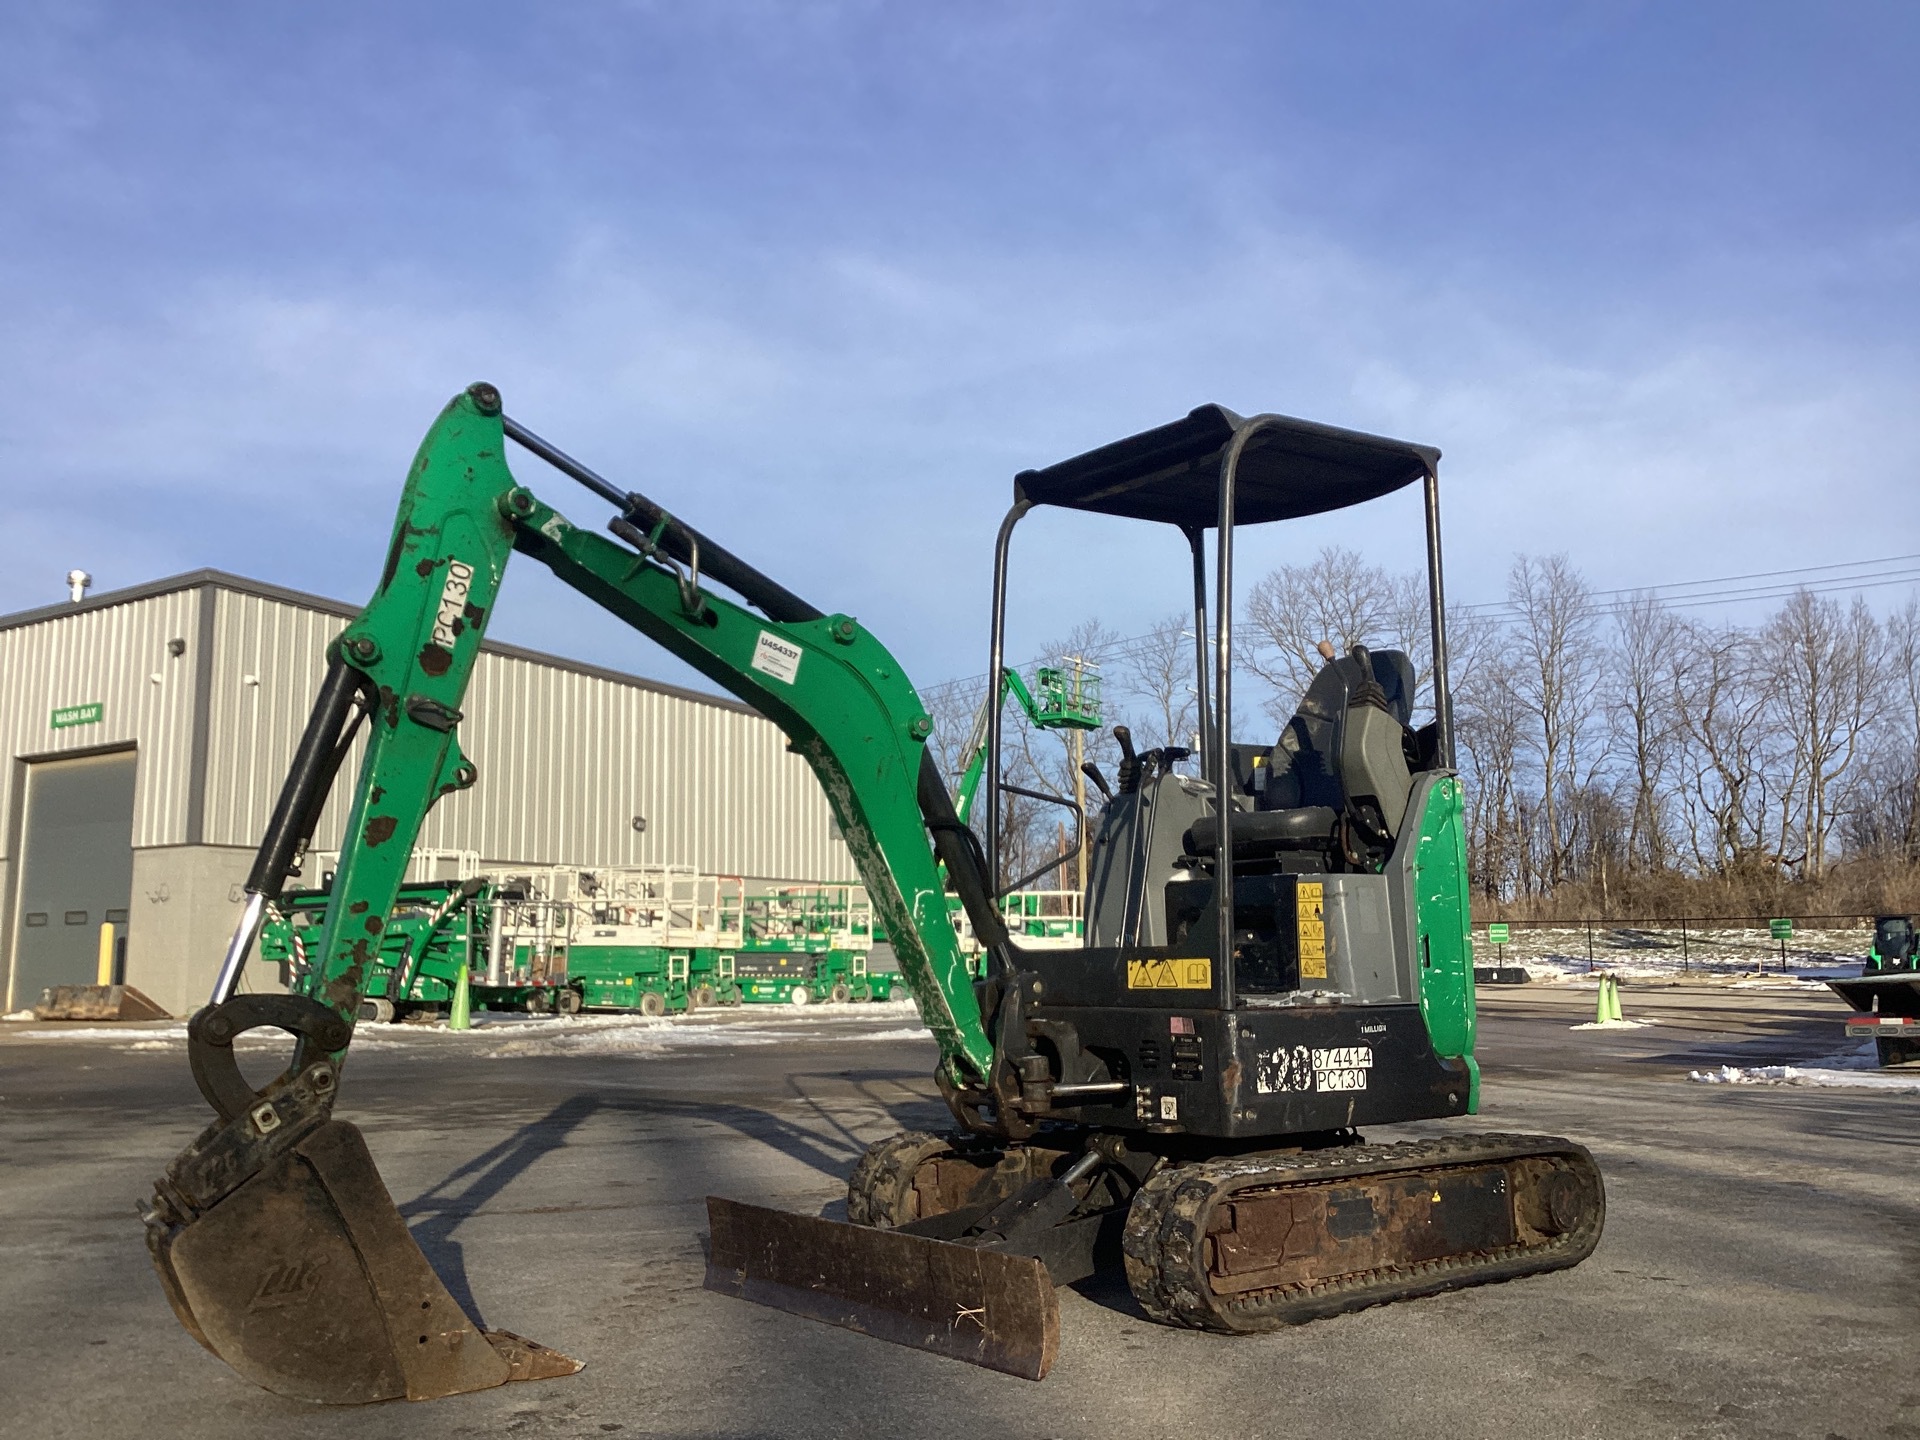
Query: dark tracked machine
[(1885, 996), (1264, 974)]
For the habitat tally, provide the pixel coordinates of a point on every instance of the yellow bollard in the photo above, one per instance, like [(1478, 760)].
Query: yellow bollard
[(460, 1013), (103, 974)]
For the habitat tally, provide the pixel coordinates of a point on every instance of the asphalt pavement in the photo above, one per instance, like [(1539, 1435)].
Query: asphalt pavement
[(1758, 1276)]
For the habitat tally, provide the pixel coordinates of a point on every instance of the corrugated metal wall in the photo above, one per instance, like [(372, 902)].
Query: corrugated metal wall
[(118, 657), (268, 661), (567, 760)]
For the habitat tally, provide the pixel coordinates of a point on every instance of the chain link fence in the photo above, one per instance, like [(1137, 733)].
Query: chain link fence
[(1808, 946)]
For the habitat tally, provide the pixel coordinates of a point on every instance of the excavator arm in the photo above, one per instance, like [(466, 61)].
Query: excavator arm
[(277, 1196), (843, 701)]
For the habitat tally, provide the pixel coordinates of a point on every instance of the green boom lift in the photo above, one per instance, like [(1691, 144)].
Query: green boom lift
[(1276, 955)]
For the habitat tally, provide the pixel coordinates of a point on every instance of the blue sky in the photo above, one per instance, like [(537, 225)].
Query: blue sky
[(821, 277)]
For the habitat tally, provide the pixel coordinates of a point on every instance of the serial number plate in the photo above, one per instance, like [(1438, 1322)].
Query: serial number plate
[(1344, 1057)]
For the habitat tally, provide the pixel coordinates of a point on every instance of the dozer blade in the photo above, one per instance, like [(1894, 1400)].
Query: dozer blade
[(96, 1002), (291, 1263), (971, 1304), (1897, 991)]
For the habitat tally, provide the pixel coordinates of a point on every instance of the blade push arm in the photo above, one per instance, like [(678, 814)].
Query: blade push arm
[(843, 701)]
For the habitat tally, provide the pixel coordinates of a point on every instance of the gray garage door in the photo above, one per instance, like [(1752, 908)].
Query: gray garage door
[(76, 869)]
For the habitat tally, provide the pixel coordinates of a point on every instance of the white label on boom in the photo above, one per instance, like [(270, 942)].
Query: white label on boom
[(453, 603), (776, 657)]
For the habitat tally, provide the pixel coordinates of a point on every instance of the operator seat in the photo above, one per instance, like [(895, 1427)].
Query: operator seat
[(1338, 778)]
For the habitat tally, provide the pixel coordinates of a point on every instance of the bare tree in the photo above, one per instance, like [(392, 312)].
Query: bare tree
[(1644, 726), (1488, 721), (1821, 663), (1556, 680), (1337, 597), (1898, 707), (1157, 673), (954, 707), (1720, 704), (1409, 627)]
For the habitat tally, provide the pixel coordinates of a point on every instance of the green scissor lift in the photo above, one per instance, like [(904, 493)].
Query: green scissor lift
[(806, 943), (657, 939)]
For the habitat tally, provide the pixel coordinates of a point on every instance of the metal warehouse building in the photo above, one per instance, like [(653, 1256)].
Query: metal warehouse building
[(147, 732)]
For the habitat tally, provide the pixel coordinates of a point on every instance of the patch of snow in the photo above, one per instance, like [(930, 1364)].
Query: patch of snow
[(1905, 1080), (611, 1034), (1737, 955), (1854, 1069), (1612, 1025), (18, 1015)]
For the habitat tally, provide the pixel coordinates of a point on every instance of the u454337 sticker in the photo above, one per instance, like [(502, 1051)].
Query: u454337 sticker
[(776, 657)]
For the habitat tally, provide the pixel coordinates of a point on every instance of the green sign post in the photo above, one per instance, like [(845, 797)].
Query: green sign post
[(68, 716), (1497, 933), (1781, 930)]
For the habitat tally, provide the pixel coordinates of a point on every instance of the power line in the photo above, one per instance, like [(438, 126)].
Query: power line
[(1829, 583), (1840, 583), (1765, 574)]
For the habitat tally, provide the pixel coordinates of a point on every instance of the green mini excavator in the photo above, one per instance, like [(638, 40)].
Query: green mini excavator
[(1276, 956)]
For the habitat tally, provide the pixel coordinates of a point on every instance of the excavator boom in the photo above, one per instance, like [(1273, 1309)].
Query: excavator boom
[(279, 1199)]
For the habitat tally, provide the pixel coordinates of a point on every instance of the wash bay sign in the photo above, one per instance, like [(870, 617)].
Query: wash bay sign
[(68, 716)]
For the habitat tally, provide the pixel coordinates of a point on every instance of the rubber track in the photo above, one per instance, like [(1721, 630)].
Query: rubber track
[(1166, 1228)]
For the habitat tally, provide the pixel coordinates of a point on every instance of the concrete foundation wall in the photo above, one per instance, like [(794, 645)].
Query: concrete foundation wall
[(186, 901)]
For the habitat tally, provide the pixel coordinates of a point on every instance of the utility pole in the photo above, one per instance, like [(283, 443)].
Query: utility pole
[(1077, 755)]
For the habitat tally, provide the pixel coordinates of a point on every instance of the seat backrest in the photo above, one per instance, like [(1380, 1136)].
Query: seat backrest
[(1306, 766), (1373, 764)]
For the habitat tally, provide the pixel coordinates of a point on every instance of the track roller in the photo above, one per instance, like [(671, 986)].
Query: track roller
[(1255, 1242)]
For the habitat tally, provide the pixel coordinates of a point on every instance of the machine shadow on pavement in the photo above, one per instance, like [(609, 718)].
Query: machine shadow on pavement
[(436, 1212)]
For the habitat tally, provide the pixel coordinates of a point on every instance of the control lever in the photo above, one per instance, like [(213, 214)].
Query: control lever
[(1129, 774), (1092, 772)]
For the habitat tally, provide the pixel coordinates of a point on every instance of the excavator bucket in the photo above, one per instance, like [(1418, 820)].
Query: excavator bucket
[(282, 1252), (968, 1303)]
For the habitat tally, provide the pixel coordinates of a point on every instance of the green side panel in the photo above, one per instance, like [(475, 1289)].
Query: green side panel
[(1442, 947), (615, 962)]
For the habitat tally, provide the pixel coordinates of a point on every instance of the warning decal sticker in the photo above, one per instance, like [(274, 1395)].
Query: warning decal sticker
[(1310, 896), (1170, 974)]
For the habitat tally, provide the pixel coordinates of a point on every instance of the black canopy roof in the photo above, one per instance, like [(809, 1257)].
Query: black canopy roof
[(1289, 468)]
